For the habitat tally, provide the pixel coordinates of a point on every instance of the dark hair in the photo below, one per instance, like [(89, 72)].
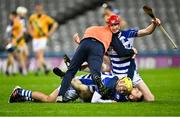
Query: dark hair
[(14, 13), (139, 100), (109, 7), (38, 3)]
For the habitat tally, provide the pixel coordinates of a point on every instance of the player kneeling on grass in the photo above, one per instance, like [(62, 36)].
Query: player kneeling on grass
[(84, 91)]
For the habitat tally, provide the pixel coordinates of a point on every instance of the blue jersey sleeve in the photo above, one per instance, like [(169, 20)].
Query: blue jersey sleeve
[(130, 33), (110, 83), (120, 98)]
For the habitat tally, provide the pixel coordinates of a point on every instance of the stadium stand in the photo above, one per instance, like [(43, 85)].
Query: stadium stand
[(75, 15)]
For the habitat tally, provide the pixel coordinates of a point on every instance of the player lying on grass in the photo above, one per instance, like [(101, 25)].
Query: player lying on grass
[(106, 67), (119, 89), (136, 94), (84, 89)]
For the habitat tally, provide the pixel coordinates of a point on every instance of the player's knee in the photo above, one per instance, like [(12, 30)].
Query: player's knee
[(152, 98), (149, 98), (96, 77), (49, 99)]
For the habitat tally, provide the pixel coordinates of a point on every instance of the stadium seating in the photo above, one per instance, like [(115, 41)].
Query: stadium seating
[(77, 20)]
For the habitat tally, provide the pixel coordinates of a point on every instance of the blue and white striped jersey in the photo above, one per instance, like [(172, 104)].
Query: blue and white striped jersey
[(120, 65), (109, 82)]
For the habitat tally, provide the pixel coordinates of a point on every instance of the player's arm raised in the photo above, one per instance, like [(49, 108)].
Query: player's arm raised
[(148, 30)]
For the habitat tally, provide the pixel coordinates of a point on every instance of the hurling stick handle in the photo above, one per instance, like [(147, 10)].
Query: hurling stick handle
[(165, 32), (153, 16)]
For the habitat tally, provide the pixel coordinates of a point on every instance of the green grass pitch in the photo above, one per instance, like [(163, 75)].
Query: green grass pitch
[(164, 83)]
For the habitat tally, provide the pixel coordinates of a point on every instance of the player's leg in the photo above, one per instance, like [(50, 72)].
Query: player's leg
[(21, 95), (95, 60), (39, 96), (35, 45), (39, 54), (38, 60), (10, 63), (26, 55), (141, 85), (42, 60), (79, 57), (39, 47), (70, 95), (148, 96), (22, 60)]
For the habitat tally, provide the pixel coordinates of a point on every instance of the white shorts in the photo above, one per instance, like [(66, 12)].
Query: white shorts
[(70, 94), (39, 43), (136, 79)]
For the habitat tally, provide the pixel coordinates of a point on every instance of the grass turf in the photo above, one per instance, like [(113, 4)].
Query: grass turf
[(164, 83)]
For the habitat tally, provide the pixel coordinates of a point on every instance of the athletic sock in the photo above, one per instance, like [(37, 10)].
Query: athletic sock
[(46, 70), (45, 66), (28, 99), (25, 93)]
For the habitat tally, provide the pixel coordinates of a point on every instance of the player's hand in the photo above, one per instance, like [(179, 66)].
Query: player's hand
[(135, 52), (76, 38), (156, 21), (106, 93)]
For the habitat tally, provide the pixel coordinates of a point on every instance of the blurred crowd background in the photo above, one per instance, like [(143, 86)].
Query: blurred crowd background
[(76, 15)]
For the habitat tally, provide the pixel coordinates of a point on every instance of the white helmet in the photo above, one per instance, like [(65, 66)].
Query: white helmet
[(21, 10)]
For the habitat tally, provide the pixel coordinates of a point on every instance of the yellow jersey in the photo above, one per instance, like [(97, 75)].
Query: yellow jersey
[(17, 30), (40, 25)]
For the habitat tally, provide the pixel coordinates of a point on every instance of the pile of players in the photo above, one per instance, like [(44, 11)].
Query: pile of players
[(117, 82)]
